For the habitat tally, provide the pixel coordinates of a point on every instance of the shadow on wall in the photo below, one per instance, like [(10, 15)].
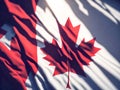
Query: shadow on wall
[(105, 30)]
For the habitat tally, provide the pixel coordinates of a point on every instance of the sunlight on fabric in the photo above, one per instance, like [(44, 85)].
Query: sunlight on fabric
[(108, 62), (98, 77), (63, 12), (57, 11), (42, 33), (50, 25), (93, 4), (107, 56), (80, 83), (115, 14), (100, 3), (105, 62), (113, 11), (81, 7)]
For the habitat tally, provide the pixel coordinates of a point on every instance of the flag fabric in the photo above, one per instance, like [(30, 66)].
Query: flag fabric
[(59, 45)]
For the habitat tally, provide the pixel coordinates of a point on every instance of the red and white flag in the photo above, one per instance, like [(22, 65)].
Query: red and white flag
[(59, 45)]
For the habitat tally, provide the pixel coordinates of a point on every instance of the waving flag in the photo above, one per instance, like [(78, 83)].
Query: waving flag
[(59, 45)]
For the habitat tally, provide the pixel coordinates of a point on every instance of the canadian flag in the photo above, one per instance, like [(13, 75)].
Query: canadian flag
[(59, 45)]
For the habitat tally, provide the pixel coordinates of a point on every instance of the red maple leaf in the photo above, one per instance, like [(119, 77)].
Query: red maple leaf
[(69, 58)]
